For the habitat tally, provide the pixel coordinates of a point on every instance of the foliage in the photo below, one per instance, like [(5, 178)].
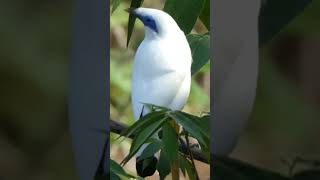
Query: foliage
[(185, 12), (162, 118), (116, 171)]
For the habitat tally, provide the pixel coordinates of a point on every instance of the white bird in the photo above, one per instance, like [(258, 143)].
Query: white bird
[(162, 66)]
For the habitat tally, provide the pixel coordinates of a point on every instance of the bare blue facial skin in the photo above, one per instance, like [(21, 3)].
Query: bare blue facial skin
[(149, 22)]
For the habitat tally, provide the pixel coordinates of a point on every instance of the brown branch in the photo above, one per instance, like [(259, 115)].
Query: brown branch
[(117, 128)]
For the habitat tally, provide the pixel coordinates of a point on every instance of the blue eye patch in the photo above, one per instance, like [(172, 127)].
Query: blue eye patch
[(149, 22)]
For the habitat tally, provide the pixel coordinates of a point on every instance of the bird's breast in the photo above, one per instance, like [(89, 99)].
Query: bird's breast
[(161, 56)]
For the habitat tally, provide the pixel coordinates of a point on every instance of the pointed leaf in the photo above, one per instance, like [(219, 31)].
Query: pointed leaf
[(150, 150), (202, 122), (142, 137), (190, 170), (163, 166), (117, 169), (182, 165), (143, 122), (170, 142), (190, 126), (200, 48), (132, 18), (184, 12), (205, 14)]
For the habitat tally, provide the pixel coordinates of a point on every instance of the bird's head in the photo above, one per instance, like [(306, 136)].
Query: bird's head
[(156, 22)]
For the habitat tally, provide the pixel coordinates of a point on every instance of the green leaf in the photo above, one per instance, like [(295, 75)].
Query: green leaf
[(114, 176), (117, 169), (182, 165), (190, 126), (163, 166), (143, 122), (143, 136), (132, 18), (200, 48), (150, 150), (202, 122), (205, 14), (115, 4), (190, 170), (184, 12), (170, 142)]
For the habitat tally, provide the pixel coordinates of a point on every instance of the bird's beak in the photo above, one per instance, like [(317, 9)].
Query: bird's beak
[(130, 10)]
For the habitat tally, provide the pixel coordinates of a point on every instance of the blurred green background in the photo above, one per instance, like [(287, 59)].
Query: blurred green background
[(121, 59), (34, 51)]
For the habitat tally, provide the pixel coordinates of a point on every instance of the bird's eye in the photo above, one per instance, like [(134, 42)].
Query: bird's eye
[(148, 20)]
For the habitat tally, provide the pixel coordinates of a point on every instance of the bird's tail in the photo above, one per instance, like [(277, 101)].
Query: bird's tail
[(143, 168)]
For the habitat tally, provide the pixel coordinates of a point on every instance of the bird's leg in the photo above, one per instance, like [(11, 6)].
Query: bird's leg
[(175, 165)]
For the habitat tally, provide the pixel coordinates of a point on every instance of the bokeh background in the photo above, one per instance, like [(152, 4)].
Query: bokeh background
[(121, 60), (35, 47), (34, 54), (285, 122)]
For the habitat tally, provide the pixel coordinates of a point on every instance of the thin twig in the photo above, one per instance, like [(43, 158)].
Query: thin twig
[(191, 156)]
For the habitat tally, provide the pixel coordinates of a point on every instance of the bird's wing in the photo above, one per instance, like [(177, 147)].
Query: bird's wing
[(159, 71), (160, 90)]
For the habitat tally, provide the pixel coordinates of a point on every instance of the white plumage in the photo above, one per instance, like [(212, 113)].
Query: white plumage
[(162, 65), (161, 71)]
